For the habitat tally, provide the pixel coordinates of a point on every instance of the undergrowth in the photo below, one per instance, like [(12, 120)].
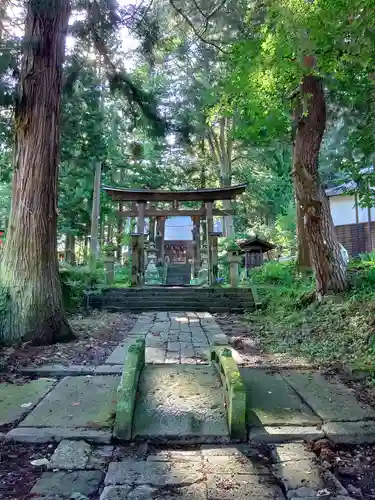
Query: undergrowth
[(342, 327), (75, 281)]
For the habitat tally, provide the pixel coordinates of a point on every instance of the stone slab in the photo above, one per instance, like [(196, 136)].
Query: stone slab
[(118, 356), (180, 401), (67, 483), (350, 432), (87, 402), (108, 369), (271, 401), (115, 493), (291, 452), (233, 464), (153, 473), (284, 433), (57, 434), (58, 370), (192, 492), (240, 450), (100, 457), (302, 473), (70, 455), (241, 487), (155, 354), (331, 400), (219, 339), (13, 396), (176, 455)]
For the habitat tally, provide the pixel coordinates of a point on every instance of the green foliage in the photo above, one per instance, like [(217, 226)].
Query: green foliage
[(75, 281), (123, 276), (339, 328)]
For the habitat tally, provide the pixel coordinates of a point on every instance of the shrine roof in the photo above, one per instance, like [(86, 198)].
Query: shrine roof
[(125, 194), (256, 242)]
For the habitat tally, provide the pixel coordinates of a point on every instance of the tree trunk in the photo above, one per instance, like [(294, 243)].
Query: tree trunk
[(109, 234), (303, 252), (119, 234), (70, 256), (326, 259), (228, 224), (95, 214), (30, 296)]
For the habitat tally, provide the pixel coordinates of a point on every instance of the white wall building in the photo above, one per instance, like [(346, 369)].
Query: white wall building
[(355, 225)]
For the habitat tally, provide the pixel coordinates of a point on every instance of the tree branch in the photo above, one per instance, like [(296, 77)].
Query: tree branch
[(196, 33)]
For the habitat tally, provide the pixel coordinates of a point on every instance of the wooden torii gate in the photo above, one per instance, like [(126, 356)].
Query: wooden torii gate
[(142, 205)]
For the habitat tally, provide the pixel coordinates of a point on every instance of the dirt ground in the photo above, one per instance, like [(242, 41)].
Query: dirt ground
[(17, 474), (97, 335)]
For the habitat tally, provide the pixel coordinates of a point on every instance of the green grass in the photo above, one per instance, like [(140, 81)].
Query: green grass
[(342, 327)]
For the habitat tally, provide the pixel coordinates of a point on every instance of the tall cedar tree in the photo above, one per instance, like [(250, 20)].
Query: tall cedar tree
[(31, 301)]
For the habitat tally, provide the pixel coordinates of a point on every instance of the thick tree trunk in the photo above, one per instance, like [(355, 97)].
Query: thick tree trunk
[(328, 265), (70, 242), (31, 302), (303, 252)]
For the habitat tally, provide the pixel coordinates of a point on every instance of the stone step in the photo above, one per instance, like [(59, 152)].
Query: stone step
[(177, 308), (174, 298), (178, 290), (177, 297)]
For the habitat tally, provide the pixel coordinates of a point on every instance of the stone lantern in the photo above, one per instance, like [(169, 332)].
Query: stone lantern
[(234, 258), (109, 263), (152, 276), (203, 272)]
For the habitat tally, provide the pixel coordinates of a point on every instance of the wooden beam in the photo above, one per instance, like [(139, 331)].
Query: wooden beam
[(124, 194), (171, 212)]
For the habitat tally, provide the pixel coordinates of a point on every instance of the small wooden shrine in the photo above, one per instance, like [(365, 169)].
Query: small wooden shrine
[(254, 249), (143, 203)]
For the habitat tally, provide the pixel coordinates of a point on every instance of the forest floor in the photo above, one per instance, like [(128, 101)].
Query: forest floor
[(97, 335)]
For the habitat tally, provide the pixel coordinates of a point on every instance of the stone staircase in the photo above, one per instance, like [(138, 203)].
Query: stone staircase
[(173, 299), (178, 274)]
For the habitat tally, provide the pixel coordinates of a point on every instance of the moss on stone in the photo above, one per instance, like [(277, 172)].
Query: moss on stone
[(127, 390), (235, 391)]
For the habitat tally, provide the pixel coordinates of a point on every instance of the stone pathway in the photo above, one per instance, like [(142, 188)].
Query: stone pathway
[(179, 337), (79, 471), (75, 406), (180, 403)]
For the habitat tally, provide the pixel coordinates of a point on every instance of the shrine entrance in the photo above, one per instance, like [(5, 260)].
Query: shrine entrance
[(158, 206)]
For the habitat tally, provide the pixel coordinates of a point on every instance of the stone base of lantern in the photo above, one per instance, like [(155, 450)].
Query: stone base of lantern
[(203, 277), (152, 276)]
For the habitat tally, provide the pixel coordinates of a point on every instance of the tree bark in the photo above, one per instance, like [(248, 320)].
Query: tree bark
[(95, 215), (70, 256), (228, 222), (30, 294), (119, 234), (326, 259), (303, 252)]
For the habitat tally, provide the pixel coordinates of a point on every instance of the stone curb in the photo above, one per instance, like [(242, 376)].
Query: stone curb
[(72, 370), (57, 434), (127, 390), (283, 434), (235, 391), (57, 370)]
